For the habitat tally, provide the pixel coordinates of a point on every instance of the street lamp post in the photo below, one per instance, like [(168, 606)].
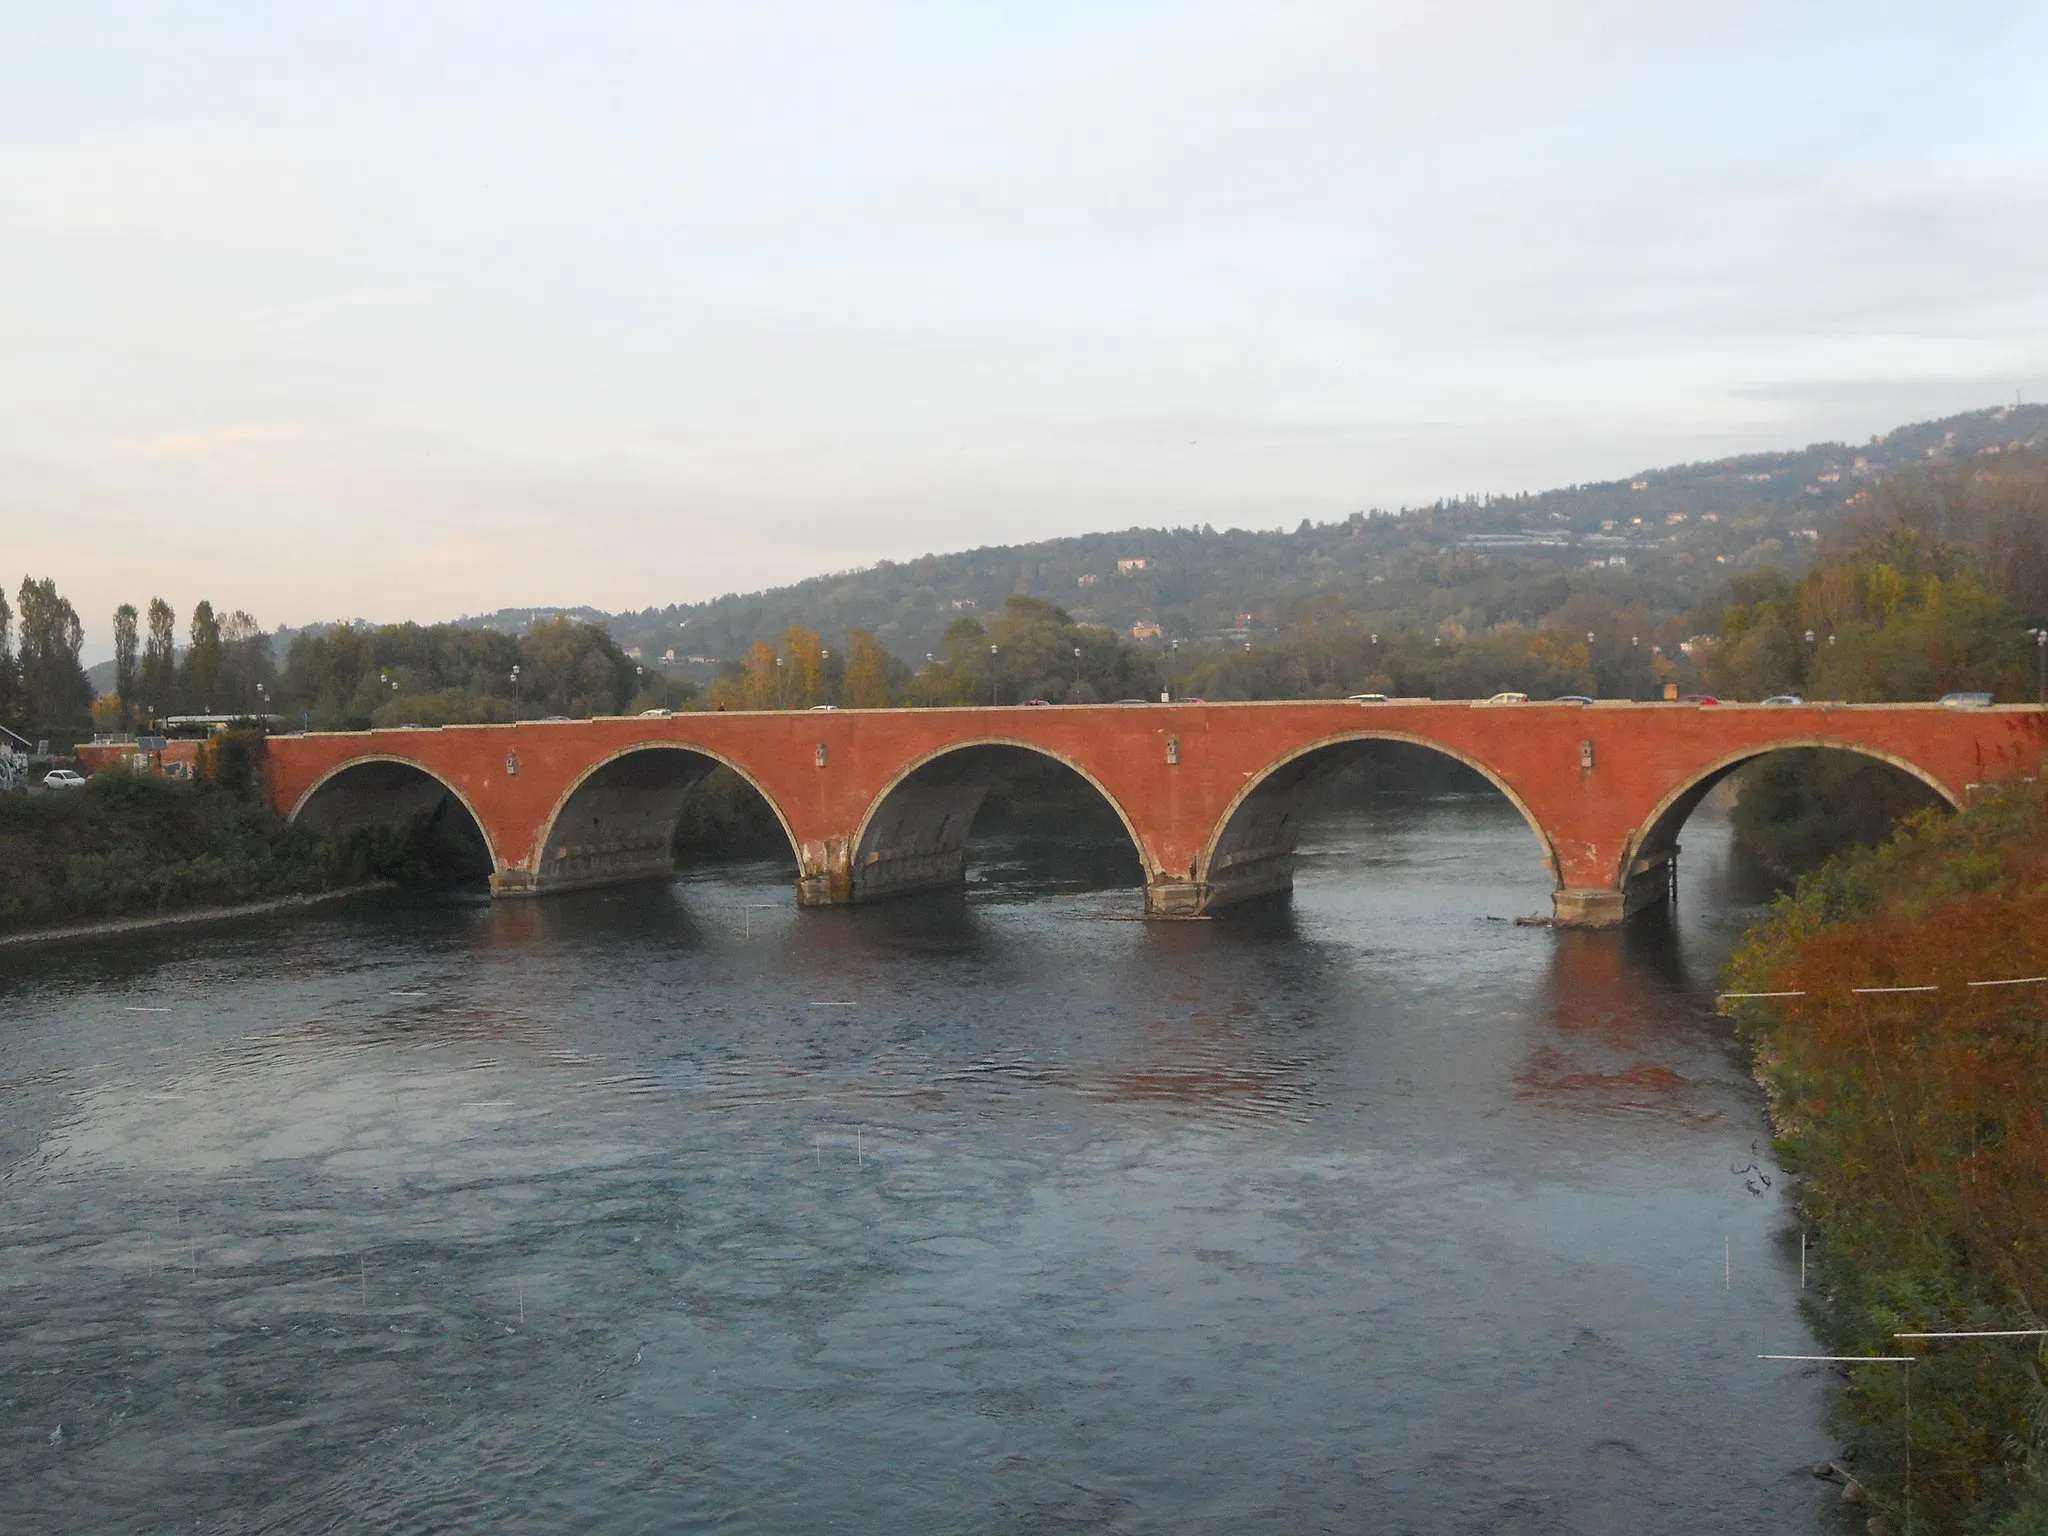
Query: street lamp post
[(515, 686), (2041, 651), (992, 674), (1077, 666)]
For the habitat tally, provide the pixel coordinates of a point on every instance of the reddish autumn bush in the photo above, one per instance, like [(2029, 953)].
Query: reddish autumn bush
[(1916, 1120)]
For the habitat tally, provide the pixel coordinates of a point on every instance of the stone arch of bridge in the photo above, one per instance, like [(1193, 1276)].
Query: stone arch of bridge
[(1250, 852), (1657, 837), (616, 821), (913, 836), (383, 790)]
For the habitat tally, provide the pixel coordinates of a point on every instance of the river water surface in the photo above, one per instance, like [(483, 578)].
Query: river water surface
[(674, 1208)]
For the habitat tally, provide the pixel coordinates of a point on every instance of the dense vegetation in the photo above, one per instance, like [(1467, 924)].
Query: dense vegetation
[(131, 846), (1797, 809), (410, 674), (1917, 1123)]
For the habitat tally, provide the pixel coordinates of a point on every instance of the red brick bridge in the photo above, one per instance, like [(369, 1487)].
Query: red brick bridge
[(879, 803)]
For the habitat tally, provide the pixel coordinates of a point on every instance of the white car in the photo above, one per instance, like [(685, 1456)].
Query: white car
[(1509, 698), (63, 778)]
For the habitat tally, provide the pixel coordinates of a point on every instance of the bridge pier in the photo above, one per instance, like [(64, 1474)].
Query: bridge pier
[(1240, 876), (1652, 880)]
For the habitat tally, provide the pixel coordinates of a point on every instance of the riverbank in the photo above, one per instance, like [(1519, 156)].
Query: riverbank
[(107, 927), (1907, 1071), (128, 847)]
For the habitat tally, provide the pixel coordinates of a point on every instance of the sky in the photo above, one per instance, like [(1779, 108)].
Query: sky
[(411, 310)]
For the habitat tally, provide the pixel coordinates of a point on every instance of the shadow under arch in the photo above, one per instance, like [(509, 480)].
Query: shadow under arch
[(914, 834), (617, 821), (392, 794), (1251, 851), (1655, 842)]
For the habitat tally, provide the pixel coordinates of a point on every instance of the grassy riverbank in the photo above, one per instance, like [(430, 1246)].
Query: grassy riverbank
[(129, 846), (1915, 1120)]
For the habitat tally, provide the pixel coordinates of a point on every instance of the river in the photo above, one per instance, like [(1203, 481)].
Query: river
[(674, 1208)]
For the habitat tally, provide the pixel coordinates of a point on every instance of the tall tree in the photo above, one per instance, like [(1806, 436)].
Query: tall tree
[(803, 668), (867, 672), (248, 671), (55, 689), (201, 674), (127, 642), (160, 659), (10, 701)]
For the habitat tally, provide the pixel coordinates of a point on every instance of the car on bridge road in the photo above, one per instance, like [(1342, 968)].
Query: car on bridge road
[(1784, 698), (1367, 698), (1571, 698), (1509, 698)]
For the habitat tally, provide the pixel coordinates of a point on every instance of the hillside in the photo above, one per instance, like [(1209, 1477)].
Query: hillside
[(1663, 540)]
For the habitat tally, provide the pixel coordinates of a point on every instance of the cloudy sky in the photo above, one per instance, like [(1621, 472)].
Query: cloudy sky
[(417, 309)]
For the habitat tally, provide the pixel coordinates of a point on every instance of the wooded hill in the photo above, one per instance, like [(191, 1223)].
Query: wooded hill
[(1663, 541)]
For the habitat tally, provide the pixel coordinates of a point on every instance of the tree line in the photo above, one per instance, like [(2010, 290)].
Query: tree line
[(42, 684), (1932, 588)]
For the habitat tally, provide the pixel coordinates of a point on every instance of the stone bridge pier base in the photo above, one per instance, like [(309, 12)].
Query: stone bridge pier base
[(1652, 880)]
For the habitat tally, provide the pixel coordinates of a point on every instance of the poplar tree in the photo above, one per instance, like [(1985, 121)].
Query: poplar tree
[(126, 643), (201, 672), (10, 692), (160, 658), (55, 690)]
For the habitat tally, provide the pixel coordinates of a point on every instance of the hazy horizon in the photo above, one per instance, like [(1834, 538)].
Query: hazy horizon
[(429, 310)]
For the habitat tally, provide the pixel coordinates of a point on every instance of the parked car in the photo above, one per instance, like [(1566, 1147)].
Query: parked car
[(1571, 698), (63, 778), (1966, 701), (1784, 698), (1368, 698), (1509, 698)]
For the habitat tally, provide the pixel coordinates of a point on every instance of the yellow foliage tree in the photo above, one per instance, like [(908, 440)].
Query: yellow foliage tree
[(803, 668), (760, 687), (867, 685)]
